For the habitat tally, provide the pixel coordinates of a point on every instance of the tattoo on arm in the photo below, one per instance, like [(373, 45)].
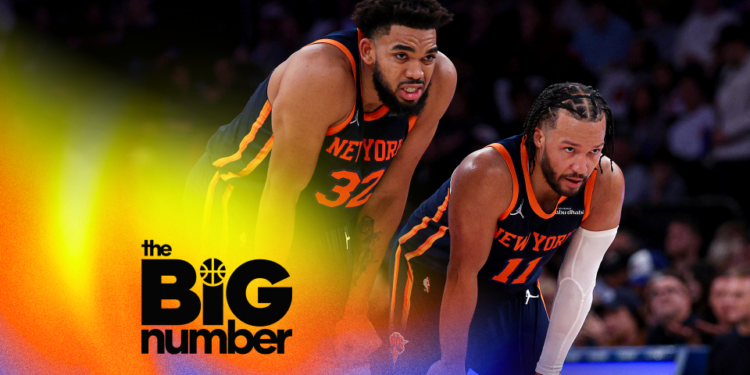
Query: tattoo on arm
[(364, 236)]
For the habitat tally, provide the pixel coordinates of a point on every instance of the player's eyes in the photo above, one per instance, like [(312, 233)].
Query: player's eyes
[(596, 150), (429, 58), (401, 56), (569, 149)]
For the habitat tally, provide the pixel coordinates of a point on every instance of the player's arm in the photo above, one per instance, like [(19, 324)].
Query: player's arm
[(481, 189), (315, 90), (578, 272), (382, 213), (380, 216)]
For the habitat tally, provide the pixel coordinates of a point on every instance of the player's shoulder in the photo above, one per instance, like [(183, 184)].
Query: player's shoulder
[(609, 179), (324, 58), (445, 72), (485, 168), (318, 63), (444, 79), (607, 198), (483, 181), (318, 74)]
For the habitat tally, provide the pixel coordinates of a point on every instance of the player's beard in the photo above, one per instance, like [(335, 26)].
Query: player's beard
[(554, 181), (390, 99)]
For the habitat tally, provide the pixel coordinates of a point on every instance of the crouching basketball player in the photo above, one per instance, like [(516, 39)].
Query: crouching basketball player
[(464, 271), (314, 172)]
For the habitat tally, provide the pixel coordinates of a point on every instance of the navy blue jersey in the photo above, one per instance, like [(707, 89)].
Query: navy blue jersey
[(352, 160), (525, 236)]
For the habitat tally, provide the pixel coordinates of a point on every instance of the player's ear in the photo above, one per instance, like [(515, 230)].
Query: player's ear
[(538, 137), (367, 51)]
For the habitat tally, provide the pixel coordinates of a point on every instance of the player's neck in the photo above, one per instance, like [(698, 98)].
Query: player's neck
[(370, 100), (545, 195)]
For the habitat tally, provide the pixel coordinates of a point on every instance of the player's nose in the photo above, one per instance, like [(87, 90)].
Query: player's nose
[(579, 165), (414, 71)]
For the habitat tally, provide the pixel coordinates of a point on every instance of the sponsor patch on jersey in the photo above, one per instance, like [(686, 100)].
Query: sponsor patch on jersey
[(568, 211), (426, 283), (398, 345)]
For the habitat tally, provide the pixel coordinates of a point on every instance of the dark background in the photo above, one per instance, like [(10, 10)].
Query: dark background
[(657, 63)]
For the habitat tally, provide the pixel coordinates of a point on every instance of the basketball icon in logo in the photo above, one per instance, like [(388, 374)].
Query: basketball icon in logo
[(213, 271)]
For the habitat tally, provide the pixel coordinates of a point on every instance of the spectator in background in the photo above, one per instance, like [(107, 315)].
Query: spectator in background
[(569, 15), (689, 137), (663, 78), (720, 302), (593, 332), (636, 174), (604, 40), (657, 31), (682, 245), (732, 141), (699, 32), (667, 186), (623, 325), (647, 129), (7, 17), (727, 245), (729, 352), (670, 305), (614, 322), (274, 45)]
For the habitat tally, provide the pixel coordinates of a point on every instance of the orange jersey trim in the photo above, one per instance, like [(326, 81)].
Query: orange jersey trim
[(419, 251), (509, 161), (412, 121), (208, 204), (425, 220), (343, 49), (410, 274), (427, 243), (248, 138), (539, 286), (530, 190), (407, 296), (588, 194), (372, 116), (335, 129), (253, 164), (395, 285), (225, 221)]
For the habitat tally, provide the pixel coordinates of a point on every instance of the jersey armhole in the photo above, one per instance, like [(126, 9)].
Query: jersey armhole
[(412, 121), (335, 129), (509, 161), (588, 193)]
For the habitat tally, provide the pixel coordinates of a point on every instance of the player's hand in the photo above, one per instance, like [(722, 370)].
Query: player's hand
[(355, 339), (440, 368)]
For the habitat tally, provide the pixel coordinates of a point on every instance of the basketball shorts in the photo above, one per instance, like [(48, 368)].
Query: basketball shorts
[(221, 216), (506, 335)]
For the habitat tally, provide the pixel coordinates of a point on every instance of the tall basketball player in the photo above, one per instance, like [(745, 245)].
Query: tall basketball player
[(314, 172), (465, 269)]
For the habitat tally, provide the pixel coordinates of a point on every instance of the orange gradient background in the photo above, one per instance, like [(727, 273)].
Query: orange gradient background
[(92, 167)]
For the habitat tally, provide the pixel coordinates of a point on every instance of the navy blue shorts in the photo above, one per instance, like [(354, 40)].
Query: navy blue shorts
[(506, 335)]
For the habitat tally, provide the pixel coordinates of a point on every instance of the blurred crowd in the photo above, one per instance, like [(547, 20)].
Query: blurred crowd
[(676, 74)]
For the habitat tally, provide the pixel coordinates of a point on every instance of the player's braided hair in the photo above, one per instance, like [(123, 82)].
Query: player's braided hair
[(376, 16), (582, 102)]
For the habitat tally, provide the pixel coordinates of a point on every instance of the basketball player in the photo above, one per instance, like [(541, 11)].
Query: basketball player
[(465, 268), (326, 144)]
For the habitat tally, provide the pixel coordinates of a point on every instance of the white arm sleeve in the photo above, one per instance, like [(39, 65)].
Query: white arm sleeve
[(574, 295)]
